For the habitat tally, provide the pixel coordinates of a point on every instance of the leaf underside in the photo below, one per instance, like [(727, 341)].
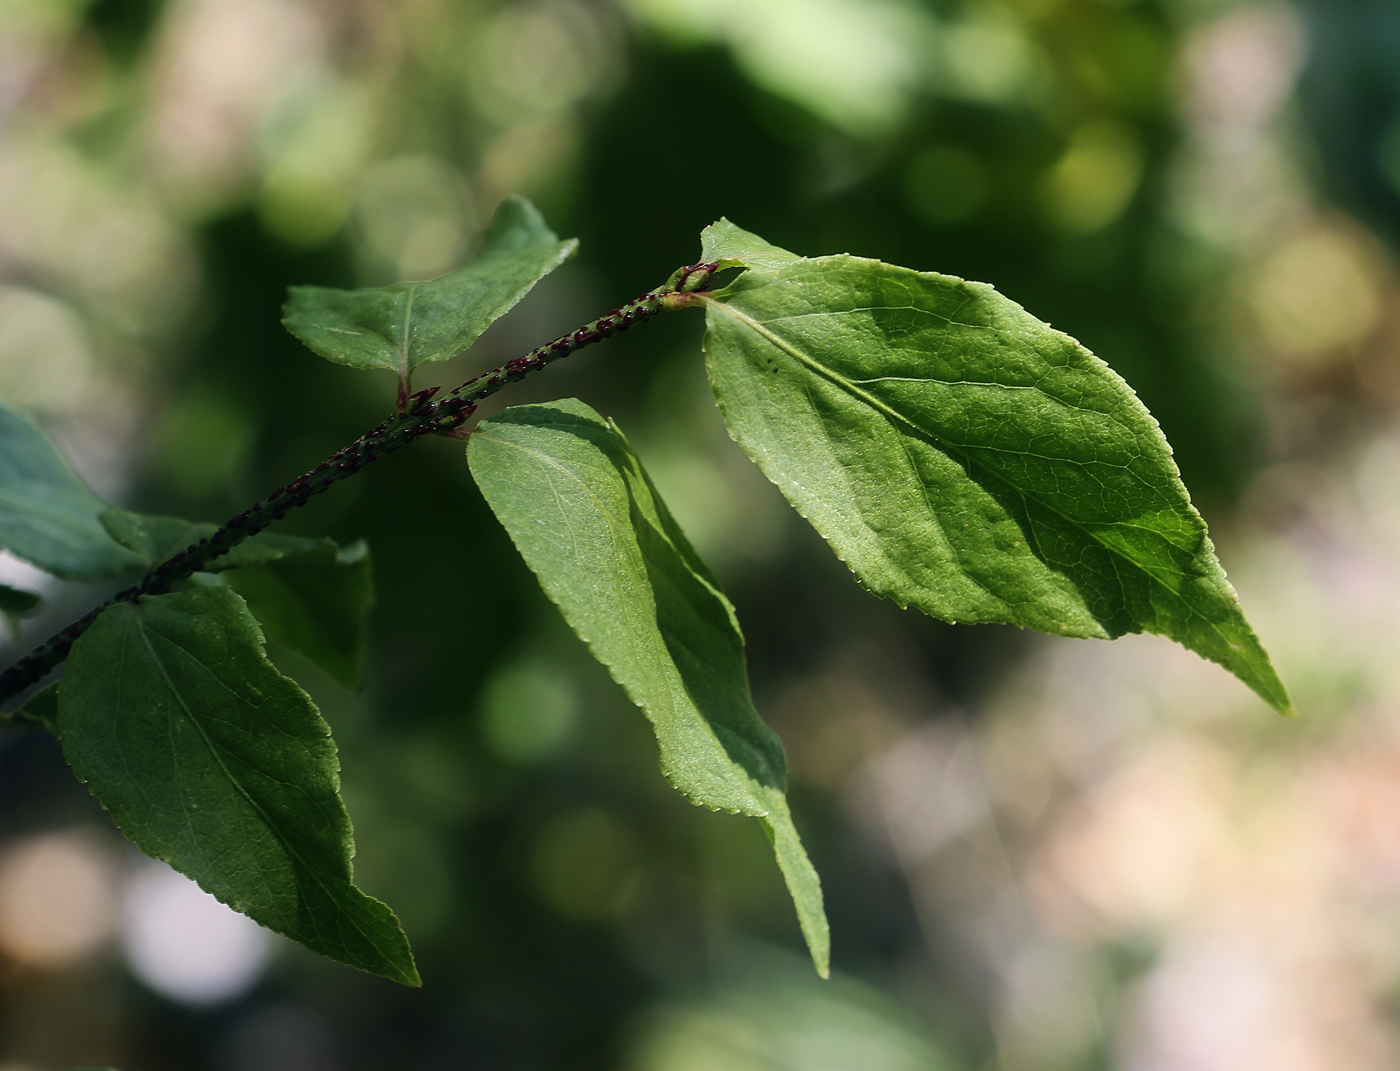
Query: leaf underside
[(402, 326), (583, 513), (964, 458), (210, 759), (48, 516)]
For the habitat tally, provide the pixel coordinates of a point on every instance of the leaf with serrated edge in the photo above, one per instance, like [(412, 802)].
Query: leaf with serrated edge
[(402, 326), (48, 516), (210, 759), (727, 246), (964, 458), (582, 512)]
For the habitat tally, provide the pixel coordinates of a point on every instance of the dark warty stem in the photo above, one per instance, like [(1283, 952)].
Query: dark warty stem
[(420, 415)]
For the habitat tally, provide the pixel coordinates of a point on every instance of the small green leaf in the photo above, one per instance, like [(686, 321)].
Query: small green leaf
[(963, 458), (586, 518), (48, 516), (210, 759), (316, 602), (401, 326), (17, 603)]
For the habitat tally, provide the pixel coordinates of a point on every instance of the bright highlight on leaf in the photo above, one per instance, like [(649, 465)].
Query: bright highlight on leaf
[(209, 758), (586, 518), (401, 326), (964, 458), (48, 516)]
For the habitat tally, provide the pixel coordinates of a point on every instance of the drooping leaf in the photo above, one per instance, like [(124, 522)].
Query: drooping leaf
[(964, 458), (48, 516), (158, 538), (401, 326), (210, 759), (316, 602), (586, 518)]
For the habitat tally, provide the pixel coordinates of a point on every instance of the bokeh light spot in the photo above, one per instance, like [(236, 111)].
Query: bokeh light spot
[(946, 184), (57, 899), (186, 945), (529, 711), (1317, 292), (415, 215), (1093, 182), (585, 864), (45, 355)]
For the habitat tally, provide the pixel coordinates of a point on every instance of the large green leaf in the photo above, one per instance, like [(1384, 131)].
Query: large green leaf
[(210, 759), (962, 457), (401, 326), (588, 521), (47, 515), (316, 602)]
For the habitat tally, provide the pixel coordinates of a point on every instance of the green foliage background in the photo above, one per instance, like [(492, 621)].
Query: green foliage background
[(563, 903)]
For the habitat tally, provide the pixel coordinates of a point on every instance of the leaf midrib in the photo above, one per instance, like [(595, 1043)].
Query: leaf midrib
[(405, 333), (218, 759), (893, 414)]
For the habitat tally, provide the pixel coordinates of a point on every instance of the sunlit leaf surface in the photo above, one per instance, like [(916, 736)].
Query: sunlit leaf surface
[(588, 521), (964, 458)]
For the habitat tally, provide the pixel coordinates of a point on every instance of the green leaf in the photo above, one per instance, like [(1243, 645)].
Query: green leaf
[(401, 326), (159, 538), (586, 518), (317, 603), (48, 516), (40, 711), (728, 246), (963, 458), (17, 603), (210, 759)]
